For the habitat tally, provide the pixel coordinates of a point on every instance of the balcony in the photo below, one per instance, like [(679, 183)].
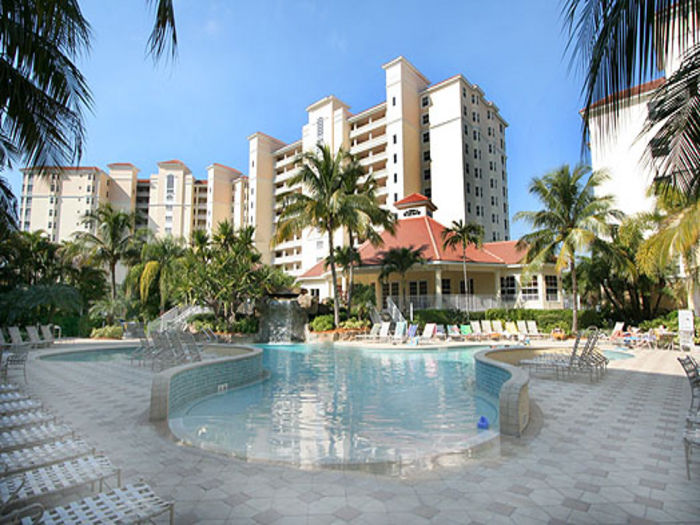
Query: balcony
[(287, 160), (282, 177), (370, 126), (373, 159), (368, 144)]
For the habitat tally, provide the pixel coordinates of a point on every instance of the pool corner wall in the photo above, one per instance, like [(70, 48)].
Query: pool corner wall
[(175, 387), (510, 384)]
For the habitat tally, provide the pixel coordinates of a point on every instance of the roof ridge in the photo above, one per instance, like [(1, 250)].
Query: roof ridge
[(438, 255), (493, 254)]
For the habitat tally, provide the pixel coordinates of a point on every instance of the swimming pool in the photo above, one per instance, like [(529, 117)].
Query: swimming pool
[(105, 354), (325, 405), (617, 355)]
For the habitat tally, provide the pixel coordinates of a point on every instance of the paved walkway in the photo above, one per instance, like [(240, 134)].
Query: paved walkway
[(608, 452)]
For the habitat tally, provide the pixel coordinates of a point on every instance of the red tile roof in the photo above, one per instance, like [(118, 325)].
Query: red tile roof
[(143, 181), (127, 164), (173, 161), (413, 197), (63, 168), (634, 91), (225, 167), (426, 233)]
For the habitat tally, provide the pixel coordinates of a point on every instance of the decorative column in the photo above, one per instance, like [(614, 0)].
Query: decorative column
[(438, 287), (541, 292)]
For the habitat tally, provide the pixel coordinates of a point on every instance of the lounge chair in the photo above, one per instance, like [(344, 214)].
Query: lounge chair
[(42, 455), (25, 487), (497, 327), (25, 419), (453, 333), (428, 333), (8, 387), (412, 331), (15, 359), (466, 331), (23, 405), (4, 345), (7, 397), (47, 333), (16, 341), (511, 330), (440, 332), (522, 330), (618, 332), (384, 331), (476, 330), (399, 333), (486, 329), (691, 440), (135, 503), (30, 436), (533, 331), (373, 333), (34, 338)]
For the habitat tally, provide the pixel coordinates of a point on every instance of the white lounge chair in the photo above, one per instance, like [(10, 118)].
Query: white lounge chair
[(373, 332), (16, 339), (42, 455), (533, 331), (34, 339), (8, 387), (522, 329), (30, 436), (477, 333), (47, 333), (511, 330), (25, 419), (14, 407), (486, 328), (428, 333), (6, 397), (135, 503), (384, 331), (27, 486)]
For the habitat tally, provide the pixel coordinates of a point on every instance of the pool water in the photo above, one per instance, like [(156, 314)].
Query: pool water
[(329, 405), (111, 354), (617, 355)]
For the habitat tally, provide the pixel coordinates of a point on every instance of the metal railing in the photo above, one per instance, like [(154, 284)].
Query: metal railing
[(463, 302), (394, 311)]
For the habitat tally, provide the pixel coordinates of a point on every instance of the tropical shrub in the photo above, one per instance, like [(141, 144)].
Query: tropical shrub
[(107, 332), (321, 323), (354, 324)]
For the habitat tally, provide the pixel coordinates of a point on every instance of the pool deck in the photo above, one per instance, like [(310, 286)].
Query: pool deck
[(607, 452)]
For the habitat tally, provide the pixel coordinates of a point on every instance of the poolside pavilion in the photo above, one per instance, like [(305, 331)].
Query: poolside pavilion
[(495, 271)]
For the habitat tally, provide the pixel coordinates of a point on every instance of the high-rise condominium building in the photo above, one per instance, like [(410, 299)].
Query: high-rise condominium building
[(170, 202), (443, 140)]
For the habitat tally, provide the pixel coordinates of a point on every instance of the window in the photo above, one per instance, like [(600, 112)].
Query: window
[(395, 289), (463, 291), (469, 207), (488, 114), (466, 130), (426, 136), (394, 137), (478, 210), (446, 287), (473, 116), (422, 287), (413, 288), (490, 165), (466, 149), (474, 135), (319, 128), (319, 245), (428, 192), (426, 155), (464, 110), (464, 92), (426, 119), (490, 131), (490, 148), (477, 190), (530, 292), (492, 201), (508, 288), (469, 188), (473, 99), (49, 224), (466, 168), (426, 174), (476, 155), (500, 128), (393, 101), (315, 292), (50, 213), (551, 287), (493, 221), (396, 178), (396, 197), (425, 102), (396, 159), (493, 236)]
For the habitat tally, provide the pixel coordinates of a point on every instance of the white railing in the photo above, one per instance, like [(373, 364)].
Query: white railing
[(463, 302), (394, 311), (176, 317), (374, 313)]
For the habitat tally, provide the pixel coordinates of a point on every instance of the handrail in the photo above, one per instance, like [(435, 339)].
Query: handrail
[(394, 311)]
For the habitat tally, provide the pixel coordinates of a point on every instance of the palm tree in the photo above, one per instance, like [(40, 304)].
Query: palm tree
[(362, 219), (347, 257), (571, 219), (461, 234), (320, 206), (621, 43), (400, 260), (114, 240), (43, 94), (678, 235), (161, 258), (8, 208)]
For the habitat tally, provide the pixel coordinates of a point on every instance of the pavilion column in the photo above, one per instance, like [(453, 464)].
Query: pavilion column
[(497, 287), (541, 290), (438, 288)]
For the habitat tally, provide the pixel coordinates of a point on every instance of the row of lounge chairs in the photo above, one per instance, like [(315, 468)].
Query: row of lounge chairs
[(691, 436), (166, 349), (432, 332), (586, 360), (41, 458), (36, 340)]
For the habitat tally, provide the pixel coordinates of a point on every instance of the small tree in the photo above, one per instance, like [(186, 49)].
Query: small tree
[(400, 260), (460, 234)]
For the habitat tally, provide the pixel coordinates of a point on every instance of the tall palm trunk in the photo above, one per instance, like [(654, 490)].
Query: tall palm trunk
[(466, 282), (574, 306), (351, 274), (334, 277), (113, 277)]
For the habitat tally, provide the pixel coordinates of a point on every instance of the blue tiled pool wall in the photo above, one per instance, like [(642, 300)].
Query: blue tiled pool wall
[(201, 381), (490, 378)]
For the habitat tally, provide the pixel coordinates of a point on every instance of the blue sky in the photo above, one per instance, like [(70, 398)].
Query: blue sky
[(254, 66)]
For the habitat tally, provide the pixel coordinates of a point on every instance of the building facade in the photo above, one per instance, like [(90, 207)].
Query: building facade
[(444, 140), (170, 202)]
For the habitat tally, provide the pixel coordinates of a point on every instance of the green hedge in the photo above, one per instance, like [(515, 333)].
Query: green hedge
[(108, 332), (321, 323), (670, 321)]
